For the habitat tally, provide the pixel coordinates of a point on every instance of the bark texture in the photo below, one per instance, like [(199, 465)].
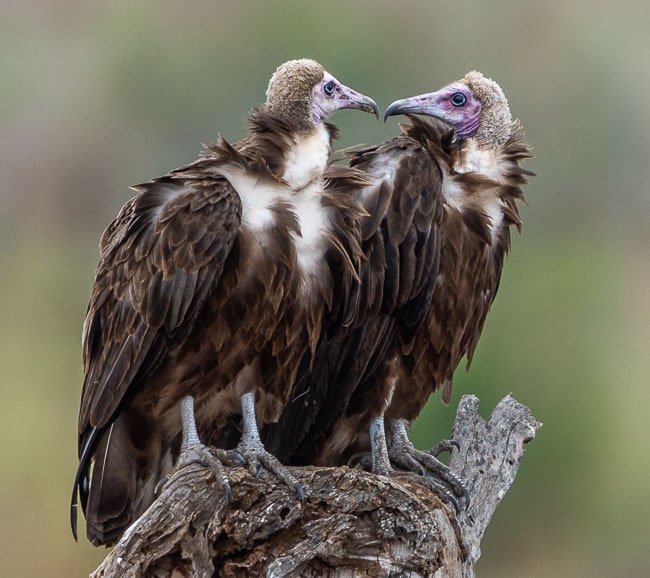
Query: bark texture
[(352, 523)]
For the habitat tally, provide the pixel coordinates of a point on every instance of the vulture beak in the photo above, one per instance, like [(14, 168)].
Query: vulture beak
[(349, 98), (422, 104)]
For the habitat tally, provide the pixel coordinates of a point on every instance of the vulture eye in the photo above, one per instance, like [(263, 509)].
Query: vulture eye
[(328, 89), (458, 99)]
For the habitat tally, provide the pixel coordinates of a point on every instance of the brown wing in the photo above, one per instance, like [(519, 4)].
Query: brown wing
[(400, 243), (160, 259), (470, 272)]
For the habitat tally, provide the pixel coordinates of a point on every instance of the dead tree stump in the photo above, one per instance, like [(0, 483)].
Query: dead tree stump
[(352, 523)]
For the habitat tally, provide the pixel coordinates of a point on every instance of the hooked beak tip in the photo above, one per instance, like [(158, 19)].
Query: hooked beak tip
[(370, 106), (397, 107)]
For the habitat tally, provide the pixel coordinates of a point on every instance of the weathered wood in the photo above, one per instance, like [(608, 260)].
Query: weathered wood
[(352, 523), (488, 461)]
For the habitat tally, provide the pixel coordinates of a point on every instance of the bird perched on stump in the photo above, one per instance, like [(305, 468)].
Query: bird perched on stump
[(441, 205), (212, 282), (482, 180)]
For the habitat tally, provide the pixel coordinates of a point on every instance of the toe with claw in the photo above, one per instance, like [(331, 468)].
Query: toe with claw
[(193, 451), (254, 453), (430, 472), (403, 453)]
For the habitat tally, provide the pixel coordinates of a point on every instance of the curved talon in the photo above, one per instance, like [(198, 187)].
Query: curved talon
[(300, 491), (230, 458), (238, 457), (360, 459), (451, 480), (351, 460), (228, 490), (443, 446), (442, 491), (454, 503)]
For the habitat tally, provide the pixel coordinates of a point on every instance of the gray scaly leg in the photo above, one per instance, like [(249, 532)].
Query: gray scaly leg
[(192, 450), (252, 449), (379, 448)]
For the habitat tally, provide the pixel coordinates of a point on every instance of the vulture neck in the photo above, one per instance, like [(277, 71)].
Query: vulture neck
[(294, 154), (306, 158), (479, 179), (479, 169), (477, 156)]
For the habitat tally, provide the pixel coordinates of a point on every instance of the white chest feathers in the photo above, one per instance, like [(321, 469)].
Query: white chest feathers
[(314, 222), (477, 159), (307, 159), (486, 162), (260, 199)]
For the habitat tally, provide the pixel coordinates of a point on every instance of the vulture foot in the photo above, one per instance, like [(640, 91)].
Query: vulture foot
[(438, 488), (434, 474), (401, 452), (253, 452), (193, 451)]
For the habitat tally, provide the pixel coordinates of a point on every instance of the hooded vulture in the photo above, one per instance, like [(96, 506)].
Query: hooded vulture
[(440, 206), (213, 282)]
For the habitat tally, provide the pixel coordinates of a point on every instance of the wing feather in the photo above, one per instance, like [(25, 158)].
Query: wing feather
[(160, 259)]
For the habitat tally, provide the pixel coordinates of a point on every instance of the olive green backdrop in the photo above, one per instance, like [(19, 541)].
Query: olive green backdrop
[(95, 96)]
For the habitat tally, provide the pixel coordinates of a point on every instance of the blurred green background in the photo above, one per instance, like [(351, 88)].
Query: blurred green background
[(96, 96)]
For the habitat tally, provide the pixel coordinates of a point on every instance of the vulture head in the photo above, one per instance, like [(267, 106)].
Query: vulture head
[(474, 106), (303, 93)]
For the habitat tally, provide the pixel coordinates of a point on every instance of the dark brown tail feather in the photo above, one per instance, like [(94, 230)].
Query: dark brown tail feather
[(81, 480), (107, 502)]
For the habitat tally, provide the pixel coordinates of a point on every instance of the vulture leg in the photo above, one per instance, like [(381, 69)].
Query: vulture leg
[(379, 448), (252, 449), (403, 453), (192, 450), (377, 460)]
